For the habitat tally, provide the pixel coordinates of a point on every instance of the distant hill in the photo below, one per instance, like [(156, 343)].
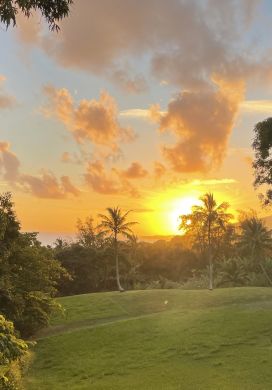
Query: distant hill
[(156, 238)]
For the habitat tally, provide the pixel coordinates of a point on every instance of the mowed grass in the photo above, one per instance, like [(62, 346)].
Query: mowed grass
[(158, 339)]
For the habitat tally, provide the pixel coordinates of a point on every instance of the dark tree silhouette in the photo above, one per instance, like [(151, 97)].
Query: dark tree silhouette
[(262, 163), (52, 10), (114, 224), (207, 222)]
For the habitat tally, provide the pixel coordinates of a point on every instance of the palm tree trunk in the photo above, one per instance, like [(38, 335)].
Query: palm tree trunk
[(210, 271), (210, 258), (120, 288)]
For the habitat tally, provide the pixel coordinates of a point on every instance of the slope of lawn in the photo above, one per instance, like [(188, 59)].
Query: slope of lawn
[(158, 339)]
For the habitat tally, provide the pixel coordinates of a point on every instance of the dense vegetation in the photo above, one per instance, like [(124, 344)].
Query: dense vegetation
[(28, 278), (262, 163), (212, 251)]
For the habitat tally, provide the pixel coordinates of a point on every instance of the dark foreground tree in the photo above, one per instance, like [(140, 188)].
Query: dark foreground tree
[(28, 274), (207, 224), (11, 351), (114, 224), (262, 163), (256, 240), (52, 10)]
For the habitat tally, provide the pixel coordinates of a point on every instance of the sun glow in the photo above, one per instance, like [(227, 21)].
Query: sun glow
[(180, 207), (168, 208)]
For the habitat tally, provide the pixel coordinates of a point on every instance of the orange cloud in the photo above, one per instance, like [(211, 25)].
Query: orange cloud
[(202, 122), (97, 178), (44, 186), (134, 171), (47, 186), (9, 163), (113, 182), (91, 120)]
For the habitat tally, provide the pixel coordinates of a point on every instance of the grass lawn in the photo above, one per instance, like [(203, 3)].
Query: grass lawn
[(158, 339)]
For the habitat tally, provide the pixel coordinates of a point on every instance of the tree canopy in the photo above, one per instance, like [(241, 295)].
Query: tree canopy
[(262, 163), (52, 10)]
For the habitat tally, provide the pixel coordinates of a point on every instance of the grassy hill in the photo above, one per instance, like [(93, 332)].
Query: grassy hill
[(158, 340)]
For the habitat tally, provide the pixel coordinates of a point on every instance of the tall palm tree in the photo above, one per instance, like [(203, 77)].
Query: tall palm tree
[(256, 239), (115, 224), (208, 220)]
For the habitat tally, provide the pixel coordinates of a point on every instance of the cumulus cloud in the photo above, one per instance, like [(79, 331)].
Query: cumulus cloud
[(134, 171), (89, 120), (97, 178), (48, 186), (202, 122), (196, 46), (45, 185), (114, 181), (9, 163), (185, 41)]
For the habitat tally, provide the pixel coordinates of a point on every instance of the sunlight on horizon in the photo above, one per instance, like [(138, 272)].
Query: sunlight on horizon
[(168, 207)]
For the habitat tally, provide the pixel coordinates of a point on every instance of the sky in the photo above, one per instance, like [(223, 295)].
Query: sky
[(143, 105)]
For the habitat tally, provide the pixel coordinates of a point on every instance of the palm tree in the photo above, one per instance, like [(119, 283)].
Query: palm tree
[(114, 224), (256, 239), (208, 220), (233, 271)]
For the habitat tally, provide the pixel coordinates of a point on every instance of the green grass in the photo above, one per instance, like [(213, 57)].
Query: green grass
[(158, 340)]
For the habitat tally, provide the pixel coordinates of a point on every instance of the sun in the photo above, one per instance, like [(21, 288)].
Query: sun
[(179, 207), (167, 209)]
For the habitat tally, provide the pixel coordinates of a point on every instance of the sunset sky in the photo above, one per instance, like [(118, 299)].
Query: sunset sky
[(142, 104)]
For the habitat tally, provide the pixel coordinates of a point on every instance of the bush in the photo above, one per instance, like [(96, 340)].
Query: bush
[(200, 280), (28, 284), (36, 313), (233, 271), (12, 351), (160, 283)]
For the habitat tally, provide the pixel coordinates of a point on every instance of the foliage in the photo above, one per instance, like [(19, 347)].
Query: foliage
[(255, 238), (262, 163), (208, 224), (232, 271), (114, 224), (12, 350), (255, 241), (92, 268), (28, 275), (52, 10)]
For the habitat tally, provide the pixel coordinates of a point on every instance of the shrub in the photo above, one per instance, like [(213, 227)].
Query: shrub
[(12, 351)]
